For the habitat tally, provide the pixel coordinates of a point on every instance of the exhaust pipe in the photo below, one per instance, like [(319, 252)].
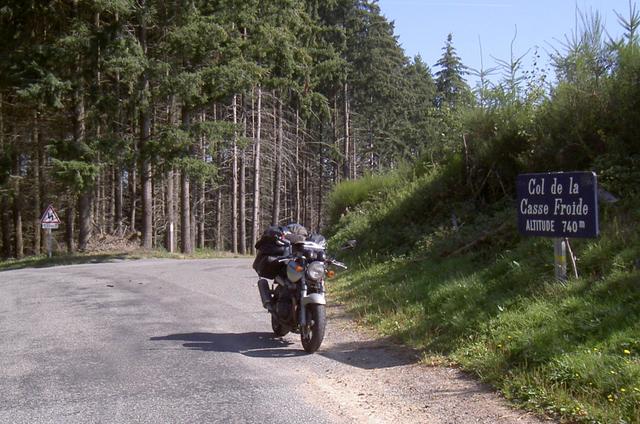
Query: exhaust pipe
[(265, 293)]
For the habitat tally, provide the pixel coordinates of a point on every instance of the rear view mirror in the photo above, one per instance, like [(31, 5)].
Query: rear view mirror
[(349, 244)]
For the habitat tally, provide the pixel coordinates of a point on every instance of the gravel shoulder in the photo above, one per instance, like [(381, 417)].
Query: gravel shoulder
[(377, 381)]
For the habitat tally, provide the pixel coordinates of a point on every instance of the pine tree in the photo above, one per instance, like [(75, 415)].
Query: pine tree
[(452, 87), (376, 72)]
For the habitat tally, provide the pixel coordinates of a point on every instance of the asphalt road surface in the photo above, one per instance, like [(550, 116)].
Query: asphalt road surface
[(166, 341)]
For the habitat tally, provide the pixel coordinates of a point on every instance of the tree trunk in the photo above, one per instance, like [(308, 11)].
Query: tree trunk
[(219, 204), (372, 157), (345, 168), (6, 226), (157, 203), (117, 189), (320, 193), (234, 180), (177, 211), (133, 190), (43, 189), (285, 198), (84, 204), (145, 135), (118, 209), (103, 202), (305, 193), (354, 162), (255, 227), (172, 189), (297, 170), (185, 199), (216, 228), (4, 199), (79, 139), (202, 212), (219, 241), (194, 223), (70, 217), (197, 194), (37, 163), (96, 201), (112, 203), (202, 190), (336, 165), (147, 186), (275, 218), (170, 242), (97, 197), (17, 217), (243, 191), (84, 209)]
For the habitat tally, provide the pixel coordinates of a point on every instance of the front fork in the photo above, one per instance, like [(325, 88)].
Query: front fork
[(302, 310), (308, 299)]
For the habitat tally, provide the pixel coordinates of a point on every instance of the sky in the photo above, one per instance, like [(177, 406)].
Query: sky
[(423, 25)]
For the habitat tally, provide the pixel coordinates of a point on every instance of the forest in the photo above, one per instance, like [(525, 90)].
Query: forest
[(195, 124), (190, 124)]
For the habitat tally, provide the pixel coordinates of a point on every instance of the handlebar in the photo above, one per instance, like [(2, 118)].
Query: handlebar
[(333, 262)]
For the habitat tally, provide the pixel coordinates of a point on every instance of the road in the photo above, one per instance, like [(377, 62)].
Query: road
[(168, 341)]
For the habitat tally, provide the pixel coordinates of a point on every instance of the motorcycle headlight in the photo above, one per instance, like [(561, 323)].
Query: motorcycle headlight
[(295, 271), (315, 271)]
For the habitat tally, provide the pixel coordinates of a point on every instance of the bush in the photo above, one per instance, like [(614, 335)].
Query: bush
[(349, 194)]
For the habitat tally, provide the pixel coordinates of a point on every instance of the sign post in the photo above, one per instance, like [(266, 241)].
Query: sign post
[(560, 258), (49, 221), (558, 205)]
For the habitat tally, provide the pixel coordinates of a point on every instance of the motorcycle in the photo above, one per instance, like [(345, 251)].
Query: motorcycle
[(296, 299)]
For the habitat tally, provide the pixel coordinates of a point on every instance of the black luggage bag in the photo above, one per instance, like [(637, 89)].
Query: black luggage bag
[(271, 245)]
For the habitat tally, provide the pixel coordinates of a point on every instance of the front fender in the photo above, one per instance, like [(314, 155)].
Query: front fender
[(314, 298)]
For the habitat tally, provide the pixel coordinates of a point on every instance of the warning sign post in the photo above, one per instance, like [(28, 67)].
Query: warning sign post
[(49, 221)]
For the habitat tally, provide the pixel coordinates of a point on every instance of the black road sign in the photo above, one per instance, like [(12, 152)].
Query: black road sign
[(558, 204)]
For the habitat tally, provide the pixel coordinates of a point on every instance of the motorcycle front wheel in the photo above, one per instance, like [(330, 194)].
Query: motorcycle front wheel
[(312, 334)]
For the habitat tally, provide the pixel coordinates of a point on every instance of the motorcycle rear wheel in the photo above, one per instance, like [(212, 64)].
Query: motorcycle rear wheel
[(279, 330), (312, 335)]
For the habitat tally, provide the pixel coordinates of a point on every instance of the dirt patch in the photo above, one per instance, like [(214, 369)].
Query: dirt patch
[(107, 243), (374, 380)]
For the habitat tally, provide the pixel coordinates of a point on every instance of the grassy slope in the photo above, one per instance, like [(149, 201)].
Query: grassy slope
[(484, 298)]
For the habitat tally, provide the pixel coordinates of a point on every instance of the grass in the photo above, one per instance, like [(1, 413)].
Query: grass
[(570, 350), (371, 188), (43, 261)]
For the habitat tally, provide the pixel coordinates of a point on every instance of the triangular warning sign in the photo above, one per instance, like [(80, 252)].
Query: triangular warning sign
[(50, 216)]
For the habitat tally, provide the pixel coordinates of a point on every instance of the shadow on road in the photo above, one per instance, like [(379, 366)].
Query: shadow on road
[(371, 354), (258, 345), (368, 353), (362, 354)]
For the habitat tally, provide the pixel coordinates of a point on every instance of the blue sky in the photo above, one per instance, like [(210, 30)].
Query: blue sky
[(423, 25)]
